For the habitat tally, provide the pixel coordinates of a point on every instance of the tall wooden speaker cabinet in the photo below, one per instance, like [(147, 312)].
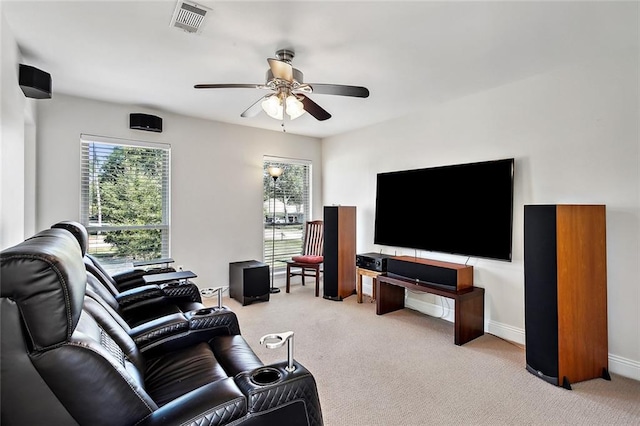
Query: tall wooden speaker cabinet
[(339, 275), (565, 280)]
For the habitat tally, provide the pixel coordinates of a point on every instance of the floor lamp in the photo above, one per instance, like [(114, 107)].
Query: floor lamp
[(275, 173)]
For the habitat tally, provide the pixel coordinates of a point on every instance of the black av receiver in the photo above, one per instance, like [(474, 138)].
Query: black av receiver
[(372, 261)]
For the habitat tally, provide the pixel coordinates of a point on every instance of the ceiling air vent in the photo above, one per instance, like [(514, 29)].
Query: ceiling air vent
[(189, 17)]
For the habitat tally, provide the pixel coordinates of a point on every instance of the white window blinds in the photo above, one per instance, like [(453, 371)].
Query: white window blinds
[(125, 203)]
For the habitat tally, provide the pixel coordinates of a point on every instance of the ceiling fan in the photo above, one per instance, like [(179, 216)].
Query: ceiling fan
[(288, 91)]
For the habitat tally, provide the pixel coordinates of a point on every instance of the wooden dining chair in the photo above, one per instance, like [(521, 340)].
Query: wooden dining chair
[(309, 262)]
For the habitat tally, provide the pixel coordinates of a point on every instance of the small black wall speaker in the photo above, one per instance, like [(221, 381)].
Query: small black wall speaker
[(139, 121), (34, 83)]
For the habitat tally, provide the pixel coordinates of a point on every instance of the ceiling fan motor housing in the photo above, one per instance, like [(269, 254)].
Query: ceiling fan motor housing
[(285, 55), (297, 75)]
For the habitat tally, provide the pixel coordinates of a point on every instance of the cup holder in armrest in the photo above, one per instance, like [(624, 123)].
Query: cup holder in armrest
[(265, 376)]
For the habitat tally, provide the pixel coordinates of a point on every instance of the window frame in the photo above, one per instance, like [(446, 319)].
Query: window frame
[(280, 257), (85, 195)]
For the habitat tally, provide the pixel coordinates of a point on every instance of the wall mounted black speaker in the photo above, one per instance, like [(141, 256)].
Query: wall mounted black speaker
[(147, 122), (34, 83)]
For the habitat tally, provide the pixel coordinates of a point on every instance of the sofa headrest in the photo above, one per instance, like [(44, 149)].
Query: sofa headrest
[(45, 276), (78, 230)]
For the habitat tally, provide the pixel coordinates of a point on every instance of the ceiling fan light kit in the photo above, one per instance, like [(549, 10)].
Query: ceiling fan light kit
[(272, 105), (294, 107), (275, 107), (291, 94)]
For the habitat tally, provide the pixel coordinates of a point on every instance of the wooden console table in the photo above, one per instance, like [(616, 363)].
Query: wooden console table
[(369, 273), (469, 304)]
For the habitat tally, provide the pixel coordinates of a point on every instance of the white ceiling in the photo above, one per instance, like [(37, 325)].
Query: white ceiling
[(410, 55)]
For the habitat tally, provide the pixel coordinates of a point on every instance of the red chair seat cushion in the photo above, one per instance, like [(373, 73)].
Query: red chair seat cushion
[(308, 259)]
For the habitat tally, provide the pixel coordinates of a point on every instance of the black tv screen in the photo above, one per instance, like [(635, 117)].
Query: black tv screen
[(464, 209)]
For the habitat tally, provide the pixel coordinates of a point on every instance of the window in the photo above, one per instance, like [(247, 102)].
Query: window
[(286, 207), (125, 199)]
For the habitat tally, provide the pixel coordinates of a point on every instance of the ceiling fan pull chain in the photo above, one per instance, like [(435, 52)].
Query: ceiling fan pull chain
[(283, 128)]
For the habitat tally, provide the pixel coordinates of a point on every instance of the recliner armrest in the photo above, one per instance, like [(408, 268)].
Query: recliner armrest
[(156, 330), (279, 396), (216, 403), (133, 277), (204, 325), (180, 291), (139, 294)]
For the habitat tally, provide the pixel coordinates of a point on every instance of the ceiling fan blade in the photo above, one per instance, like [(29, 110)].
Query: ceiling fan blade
[(338, 89), (254, 109), (231, 86), (314, 109), (281, 69)]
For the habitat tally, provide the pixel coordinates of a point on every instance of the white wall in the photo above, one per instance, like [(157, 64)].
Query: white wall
[(574, 135), (12, 143), (216, 187)]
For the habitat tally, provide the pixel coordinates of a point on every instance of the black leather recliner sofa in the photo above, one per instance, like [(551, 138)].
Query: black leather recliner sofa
[(123, 280), (183, 292), (139, 303), (66, 360)]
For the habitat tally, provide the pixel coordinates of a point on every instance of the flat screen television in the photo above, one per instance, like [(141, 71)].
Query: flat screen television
[(464, 209)]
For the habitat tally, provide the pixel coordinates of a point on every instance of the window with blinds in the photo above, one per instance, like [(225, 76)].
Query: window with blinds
[(286, 207), (125, 201)]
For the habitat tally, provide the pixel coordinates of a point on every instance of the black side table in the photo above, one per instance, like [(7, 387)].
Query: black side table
[(249, 281)]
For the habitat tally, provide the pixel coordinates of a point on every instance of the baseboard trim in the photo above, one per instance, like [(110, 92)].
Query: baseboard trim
[(624, 367), (506, 332), (445, 311), (617, 364)]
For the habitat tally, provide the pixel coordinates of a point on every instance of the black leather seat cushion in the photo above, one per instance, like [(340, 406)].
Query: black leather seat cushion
[(175, 373)]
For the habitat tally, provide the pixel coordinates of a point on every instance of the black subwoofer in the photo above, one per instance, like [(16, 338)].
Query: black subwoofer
[(249, 281)]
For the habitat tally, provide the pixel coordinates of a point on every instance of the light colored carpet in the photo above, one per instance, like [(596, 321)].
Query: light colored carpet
[(403, 368)]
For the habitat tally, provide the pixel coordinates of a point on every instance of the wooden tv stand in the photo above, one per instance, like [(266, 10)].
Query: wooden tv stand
[(469, 303)]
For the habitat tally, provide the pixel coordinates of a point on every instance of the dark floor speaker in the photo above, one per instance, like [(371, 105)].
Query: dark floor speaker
[(339, 266), (146, 122), (34, 83), (540, 292), (452, 276), (565, 292)]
